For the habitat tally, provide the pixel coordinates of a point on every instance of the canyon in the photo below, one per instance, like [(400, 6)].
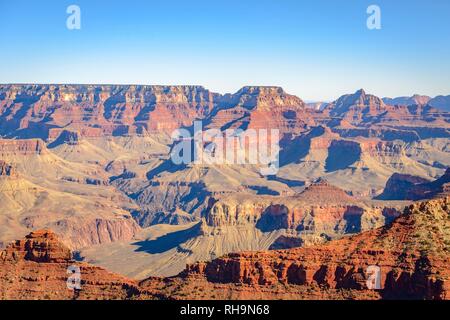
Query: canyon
[(411, 254), (93, 164)]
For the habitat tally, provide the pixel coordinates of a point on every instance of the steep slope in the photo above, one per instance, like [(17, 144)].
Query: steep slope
[(411, 254), (320, 210), (39, 189), (37, 268), (407, 187), (103, 166), (240, 222), (44, 111), (260, 108), (362, 114)]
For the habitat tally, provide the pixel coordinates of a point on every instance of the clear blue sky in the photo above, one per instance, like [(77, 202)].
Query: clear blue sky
[(317, 49)]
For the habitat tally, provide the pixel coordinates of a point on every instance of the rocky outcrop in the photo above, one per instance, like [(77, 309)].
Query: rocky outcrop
[(41, 246), (96, 110), (71, 138), (46, 111), (39, 267), (361, 109), (356, 107), (286, 242), (408, 187), (412, 263), (261, 108), (409, 258), (320, 208), (24, 147), (364, 115), (78, 232), (99, 231)]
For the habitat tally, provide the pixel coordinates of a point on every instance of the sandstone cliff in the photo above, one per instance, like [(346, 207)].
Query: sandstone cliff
[(37, 268), (408, 187), (320, 209), (411, 254)]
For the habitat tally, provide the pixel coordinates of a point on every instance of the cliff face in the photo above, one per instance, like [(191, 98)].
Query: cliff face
[(45, 110), (40, 190), (364, 115), (320, 208), (408, 187), (41, 246), (93, 231), (106, 155), (361, 108), (26, 147), (411, 254), (37, 268), (353, 106)]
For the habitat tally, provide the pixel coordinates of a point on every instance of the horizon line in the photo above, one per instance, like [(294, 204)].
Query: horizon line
[(215, 92)]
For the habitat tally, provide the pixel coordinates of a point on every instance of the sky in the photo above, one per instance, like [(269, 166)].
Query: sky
[(318, 50)]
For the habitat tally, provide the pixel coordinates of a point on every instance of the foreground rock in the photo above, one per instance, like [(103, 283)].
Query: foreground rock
[(412, 254), (37, 268)]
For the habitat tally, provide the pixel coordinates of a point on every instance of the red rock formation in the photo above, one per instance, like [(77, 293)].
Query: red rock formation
[(37, 268), (40, 246), (81, 232), (361, 108), (45, 110), (412, 255), (320, 208), (321, 191), (366, 115), (262, 108)]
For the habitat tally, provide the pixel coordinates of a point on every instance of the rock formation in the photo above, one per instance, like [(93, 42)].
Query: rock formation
[(411, 255), (22, 147), (92, 162), (38, 268), (44, 111), (408, 187), (320, 208)]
